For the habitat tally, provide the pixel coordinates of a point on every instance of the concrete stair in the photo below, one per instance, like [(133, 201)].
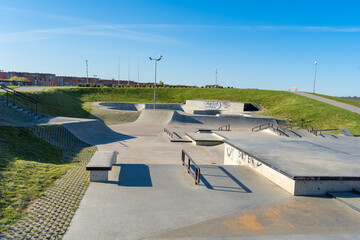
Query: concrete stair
[(19, 109)]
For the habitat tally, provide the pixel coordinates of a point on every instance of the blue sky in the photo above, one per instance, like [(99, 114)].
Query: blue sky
[(254, 44)]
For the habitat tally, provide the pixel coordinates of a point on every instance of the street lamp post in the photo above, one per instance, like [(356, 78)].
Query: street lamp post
[(156, 60), (216, 71), (315, 76), (87, 72)]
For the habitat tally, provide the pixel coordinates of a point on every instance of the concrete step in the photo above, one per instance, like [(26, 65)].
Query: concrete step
[(351, 199)]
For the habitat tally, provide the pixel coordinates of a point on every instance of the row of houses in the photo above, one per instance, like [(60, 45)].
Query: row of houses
[(49, 79)]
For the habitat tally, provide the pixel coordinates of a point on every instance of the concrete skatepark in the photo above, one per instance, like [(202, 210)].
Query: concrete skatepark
[(254, 185)]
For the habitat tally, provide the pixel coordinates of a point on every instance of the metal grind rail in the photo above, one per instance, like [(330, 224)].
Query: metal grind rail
[(15, 94), (187, 162), (225, 128), (266, 126)]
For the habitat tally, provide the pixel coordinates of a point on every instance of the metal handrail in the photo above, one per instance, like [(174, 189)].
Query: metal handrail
[(227, 128), (195, 174), (261, 127), (20, 95)]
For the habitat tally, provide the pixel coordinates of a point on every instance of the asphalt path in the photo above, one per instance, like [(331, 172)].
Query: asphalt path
[(332, 102)]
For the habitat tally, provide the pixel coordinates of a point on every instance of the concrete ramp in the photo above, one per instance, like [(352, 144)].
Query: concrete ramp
[(95, 132), (158, 117)]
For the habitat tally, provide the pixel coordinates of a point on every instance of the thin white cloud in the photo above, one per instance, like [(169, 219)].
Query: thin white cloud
[(240, 27), (91, 30)]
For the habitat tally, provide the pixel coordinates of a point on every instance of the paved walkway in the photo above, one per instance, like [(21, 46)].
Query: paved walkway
[(331, 102)]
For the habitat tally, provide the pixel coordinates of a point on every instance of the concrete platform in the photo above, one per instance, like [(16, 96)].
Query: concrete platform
[(204, 139), (308, 166)]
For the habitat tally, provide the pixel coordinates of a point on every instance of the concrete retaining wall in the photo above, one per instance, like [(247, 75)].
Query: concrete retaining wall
[(192, 106), (234, 156)]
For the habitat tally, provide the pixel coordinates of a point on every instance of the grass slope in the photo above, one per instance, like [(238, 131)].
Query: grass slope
[(28, 165), (279, 104)]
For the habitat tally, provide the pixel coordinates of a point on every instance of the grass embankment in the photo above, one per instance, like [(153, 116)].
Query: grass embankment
[(28, 165), (279, 104)]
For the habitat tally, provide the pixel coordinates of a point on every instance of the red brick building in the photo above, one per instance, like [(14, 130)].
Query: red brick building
[(48, 79)]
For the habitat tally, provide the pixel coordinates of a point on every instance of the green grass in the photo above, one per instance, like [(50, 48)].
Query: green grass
[(28, 165), (279, 104)]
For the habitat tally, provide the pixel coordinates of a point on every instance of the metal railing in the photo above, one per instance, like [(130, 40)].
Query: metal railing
[(319, 131), (187, 162), (27, 100), (269, 125), (225, 128), (170, 134)]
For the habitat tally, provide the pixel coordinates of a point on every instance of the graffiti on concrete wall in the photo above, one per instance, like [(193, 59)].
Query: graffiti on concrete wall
[(237, 157), (216, 105)]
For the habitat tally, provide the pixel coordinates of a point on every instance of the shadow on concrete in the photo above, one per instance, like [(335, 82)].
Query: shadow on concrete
[(217, 178), (134, 175), (120, 106)]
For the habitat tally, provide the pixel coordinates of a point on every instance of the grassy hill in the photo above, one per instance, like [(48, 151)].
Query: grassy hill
[(29, 165), (279, 104)]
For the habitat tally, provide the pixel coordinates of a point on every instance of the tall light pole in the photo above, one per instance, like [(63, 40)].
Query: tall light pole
[(138, 70), (87, 72), (315, 76), (118, 70), (129, 72), (216, 70), (156, 60)]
